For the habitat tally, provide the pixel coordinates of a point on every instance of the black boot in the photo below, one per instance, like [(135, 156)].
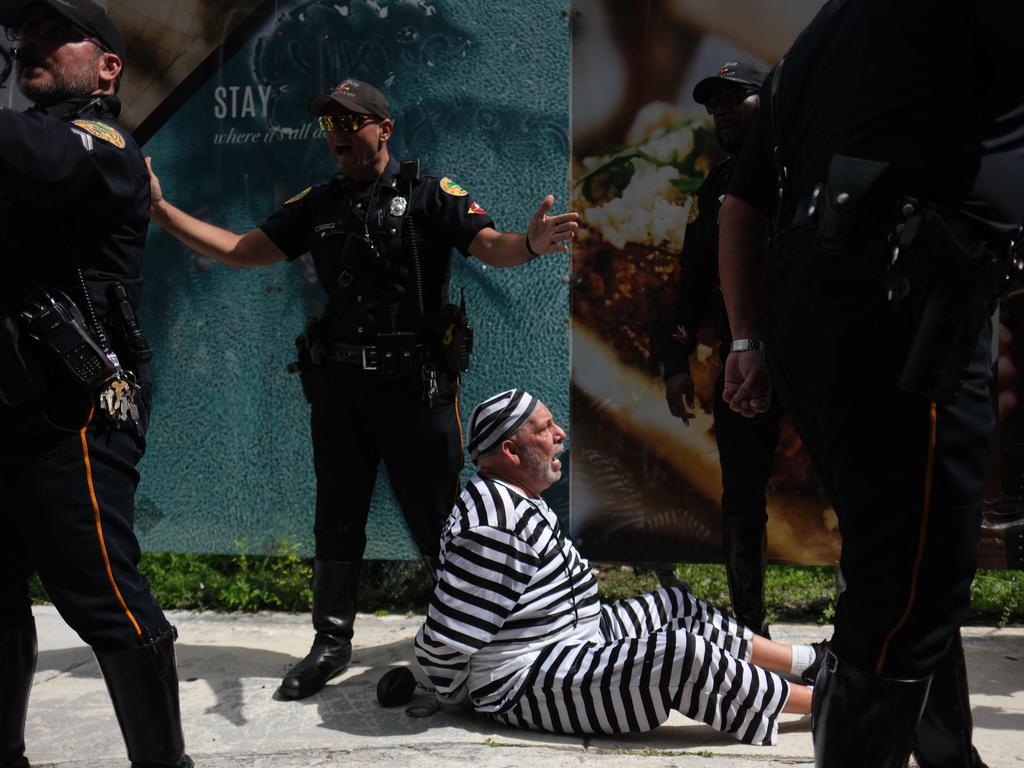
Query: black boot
[(745, 543), (944, 734), (17, 666), (334, 613), (859, 720), (143, 684)]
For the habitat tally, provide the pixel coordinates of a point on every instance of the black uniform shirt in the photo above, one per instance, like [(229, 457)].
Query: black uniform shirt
[(374, 288), (700, 296), (919, 83), (78, 192)]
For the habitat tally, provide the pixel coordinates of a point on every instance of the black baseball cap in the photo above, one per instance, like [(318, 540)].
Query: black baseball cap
[(738, 72), (355, 96), (84, 14)]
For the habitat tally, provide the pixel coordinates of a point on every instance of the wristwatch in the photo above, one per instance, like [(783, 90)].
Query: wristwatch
[(744, 345)]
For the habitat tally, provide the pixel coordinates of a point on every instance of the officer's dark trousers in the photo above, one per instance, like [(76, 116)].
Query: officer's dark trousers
[(67, 491), (905, 477), (358, 420), (746, 452)]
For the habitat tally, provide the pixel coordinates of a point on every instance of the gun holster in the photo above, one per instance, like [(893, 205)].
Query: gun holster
[(851, 203), (309, 346), (954, 277)]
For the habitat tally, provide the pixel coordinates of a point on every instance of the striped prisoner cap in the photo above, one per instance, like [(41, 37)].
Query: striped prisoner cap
[(498, 418)]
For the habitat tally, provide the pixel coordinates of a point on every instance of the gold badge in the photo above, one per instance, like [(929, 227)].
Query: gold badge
[(694, 211), (102, 131), (297, 197), (452, 188)]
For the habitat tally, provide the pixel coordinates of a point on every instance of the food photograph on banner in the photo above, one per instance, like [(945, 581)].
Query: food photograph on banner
[(216, 92), (647, 487)]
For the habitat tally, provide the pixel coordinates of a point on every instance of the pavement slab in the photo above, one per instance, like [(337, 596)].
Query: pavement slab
[(230, 665)]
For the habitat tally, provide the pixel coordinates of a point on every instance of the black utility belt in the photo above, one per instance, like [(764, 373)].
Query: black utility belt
[(393, 354)]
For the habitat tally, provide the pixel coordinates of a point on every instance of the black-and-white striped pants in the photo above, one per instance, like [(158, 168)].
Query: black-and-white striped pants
[(660, 651)]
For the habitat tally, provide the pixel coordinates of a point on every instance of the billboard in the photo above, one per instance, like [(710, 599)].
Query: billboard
[(217, 90), (645, 485)]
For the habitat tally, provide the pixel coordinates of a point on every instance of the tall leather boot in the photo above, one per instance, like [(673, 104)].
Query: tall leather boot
[(334, 613), (944, 735), (858, 719), (143, 685), (17, 667), (745, 543)]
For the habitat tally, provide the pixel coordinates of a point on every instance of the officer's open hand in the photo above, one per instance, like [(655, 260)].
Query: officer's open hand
[(679, 395), (550, 234), (748, 387), (156, 195)]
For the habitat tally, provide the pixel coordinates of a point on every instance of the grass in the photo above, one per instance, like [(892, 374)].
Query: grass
[(280, 581)]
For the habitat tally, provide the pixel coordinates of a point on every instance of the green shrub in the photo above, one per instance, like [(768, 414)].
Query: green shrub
[(280, 580)]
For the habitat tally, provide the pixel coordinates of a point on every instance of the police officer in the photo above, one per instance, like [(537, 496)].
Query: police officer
[(746, 447), (74, 396), (894, 173), (383, 362)]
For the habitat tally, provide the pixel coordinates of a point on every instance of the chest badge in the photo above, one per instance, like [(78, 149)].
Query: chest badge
[(398, 206)]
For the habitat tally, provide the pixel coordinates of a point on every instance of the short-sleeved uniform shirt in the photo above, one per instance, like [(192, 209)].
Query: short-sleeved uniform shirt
[(355, 237), (932, 87), (76, 192)]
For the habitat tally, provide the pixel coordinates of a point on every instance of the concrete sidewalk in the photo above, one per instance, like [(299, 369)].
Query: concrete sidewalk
[(230, 666)]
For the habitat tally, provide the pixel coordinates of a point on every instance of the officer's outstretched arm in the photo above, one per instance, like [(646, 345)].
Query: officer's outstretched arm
[(253, 249), (545, 234)]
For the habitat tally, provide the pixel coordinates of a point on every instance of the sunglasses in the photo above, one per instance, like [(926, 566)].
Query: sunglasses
[(347, 123), (54, 30), (727, 98)]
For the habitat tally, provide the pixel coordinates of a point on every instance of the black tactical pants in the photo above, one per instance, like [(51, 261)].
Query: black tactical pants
[(67, 489), (359, 419), (905, 478), (746, 451)]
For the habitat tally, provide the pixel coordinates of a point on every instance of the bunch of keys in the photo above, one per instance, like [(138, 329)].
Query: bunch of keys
[(117, 400), (429, 385)]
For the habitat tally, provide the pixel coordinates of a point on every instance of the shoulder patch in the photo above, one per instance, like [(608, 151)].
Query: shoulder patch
[(297, 197), (694, 210), (474, 208), (102, 131), (452, 188)]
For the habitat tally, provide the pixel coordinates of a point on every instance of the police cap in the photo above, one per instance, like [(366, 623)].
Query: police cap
[(83, 14), (355, 96), (738, 72)]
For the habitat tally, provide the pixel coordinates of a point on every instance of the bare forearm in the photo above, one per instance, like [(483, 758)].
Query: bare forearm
[(742, 253), (209, 240), (501, 249)]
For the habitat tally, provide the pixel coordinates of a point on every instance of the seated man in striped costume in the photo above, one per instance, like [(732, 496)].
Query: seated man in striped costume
[(515, 628)]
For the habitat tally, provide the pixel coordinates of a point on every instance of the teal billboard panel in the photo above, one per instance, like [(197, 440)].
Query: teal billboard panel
[(480, 94)]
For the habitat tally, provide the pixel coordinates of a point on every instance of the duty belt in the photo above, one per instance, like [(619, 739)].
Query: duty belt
[(394, 353)]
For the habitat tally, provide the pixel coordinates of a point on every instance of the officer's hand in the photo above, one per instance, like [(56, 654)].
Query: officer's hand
[(748, 387), (679, 395), (550, 234), (156, 195)]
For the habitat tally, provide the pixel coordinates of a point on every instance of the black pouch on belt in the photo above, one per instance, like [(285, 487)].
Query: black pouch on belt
[(852, 203), (954, 277), (22, 378)]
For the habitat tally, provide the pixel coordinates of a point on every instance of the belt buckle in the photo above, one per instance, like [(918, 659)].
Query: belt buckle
[(367, 364)]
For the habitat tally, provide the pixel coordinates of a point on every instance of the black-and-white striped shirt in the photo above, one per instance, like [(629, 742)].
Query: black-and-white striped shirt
[(510, 584)]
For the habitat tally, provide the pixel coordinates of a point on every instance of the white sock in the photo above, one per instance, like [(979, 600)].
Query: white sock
[(803, 657)]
